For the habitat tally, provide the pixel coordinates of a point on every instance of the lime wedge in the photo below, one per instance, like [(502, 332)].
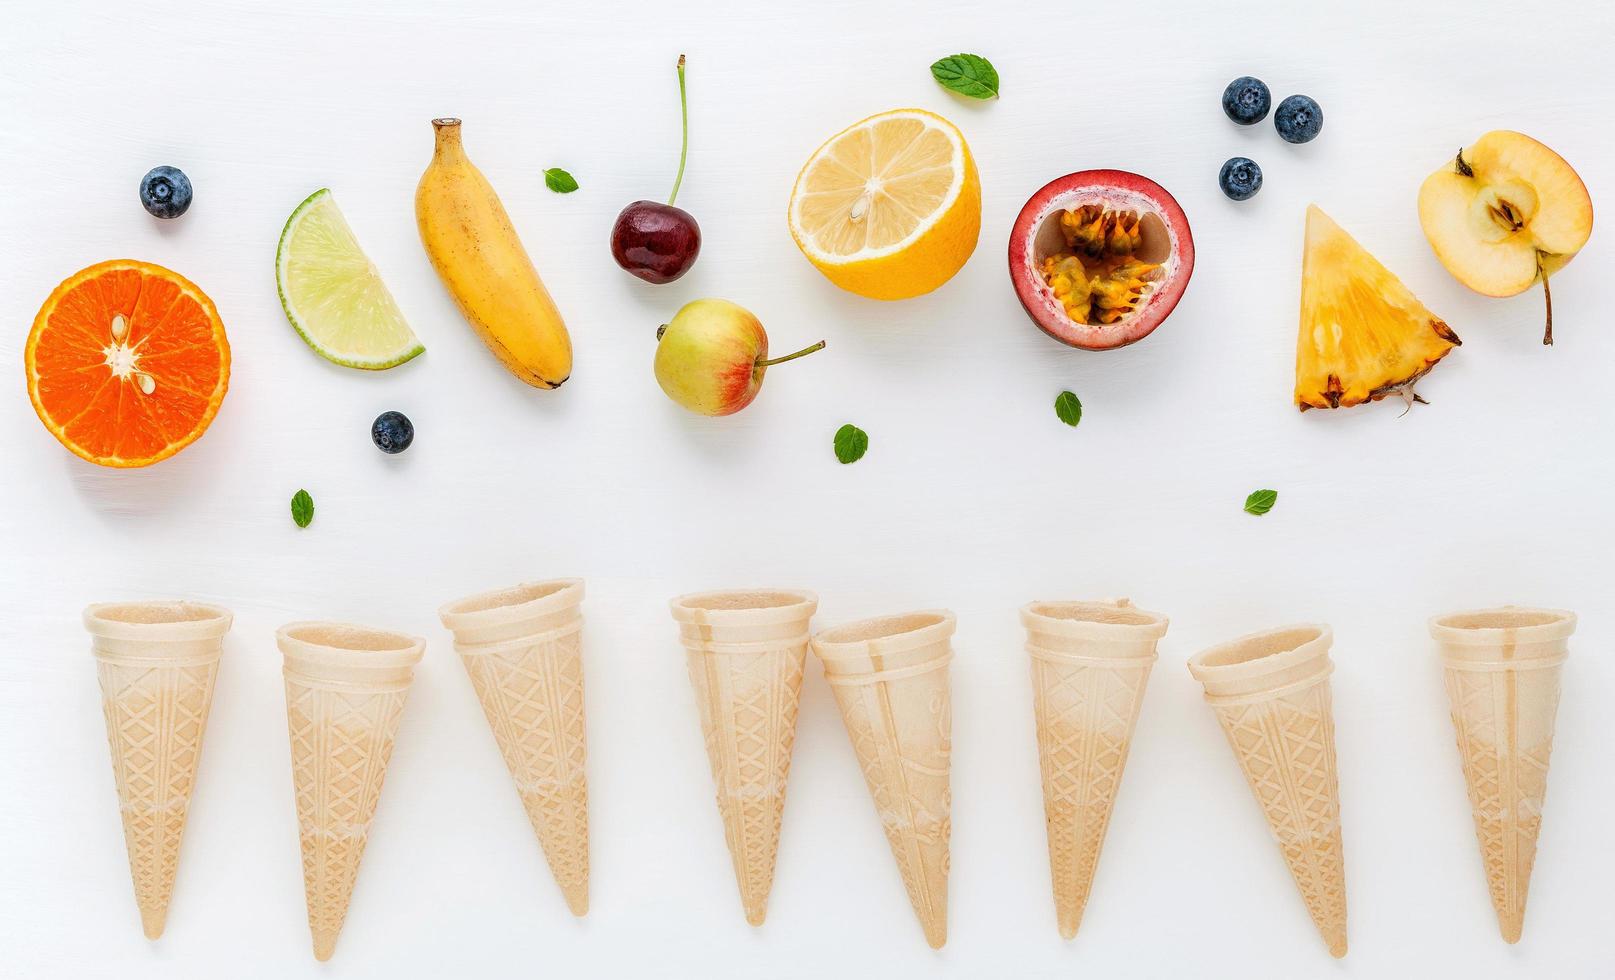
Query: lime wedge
[(332, 293)]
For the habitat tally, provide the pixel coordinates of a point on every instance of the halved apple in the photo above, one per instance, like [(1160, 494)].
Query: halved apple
[(1507, 212)]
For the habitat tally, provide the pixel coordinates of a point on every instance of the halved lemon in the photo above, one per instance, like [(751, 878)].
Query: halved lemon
[(332, 293), (889, 207)]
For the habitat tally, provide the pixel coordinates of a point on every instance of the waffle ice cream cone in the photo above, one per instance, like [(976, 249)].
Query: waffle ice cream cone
[(157, 662), (1271, 693), (345, 691), (890, 678), (521, 647), (1090, 663), (745, 651), (1503, 673)]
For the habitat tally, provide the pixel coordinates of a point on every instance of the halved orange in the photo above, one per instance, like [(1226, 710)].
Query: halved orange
[(127, 363)]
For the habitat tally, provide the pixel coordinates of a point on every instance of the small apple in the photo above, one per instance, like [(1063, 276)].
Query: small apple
[(711, 356), (1507, 212)]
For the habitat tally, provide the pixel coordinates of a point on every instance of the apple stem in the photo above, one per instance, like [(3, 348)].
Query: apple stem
[(1547, 295), (661, 330), (684, 147), (791, 357)]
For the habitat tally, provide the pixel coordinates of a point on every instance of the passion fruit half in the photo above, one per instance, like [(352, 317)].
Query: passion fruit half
[(1100, 258)]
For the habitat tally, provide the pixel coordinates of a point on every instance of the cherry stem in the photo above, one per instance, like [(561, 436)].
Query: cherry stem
[(1547, 295), (791, 357), (684, 147)]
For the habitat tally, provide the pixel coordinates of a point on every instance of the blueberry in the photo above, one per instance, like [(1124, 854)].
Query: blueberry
[(165, 192), (392, 432), (1298, 119), (1241, 178), (1246, 100)]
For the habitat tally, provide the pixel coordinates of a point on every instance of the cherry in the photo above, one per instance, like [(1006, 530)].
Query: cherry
[(656, 242), (659, 242)]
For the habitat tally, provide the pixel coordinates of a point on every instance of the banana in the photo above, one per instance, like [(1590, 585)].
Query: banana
[(474, 248)]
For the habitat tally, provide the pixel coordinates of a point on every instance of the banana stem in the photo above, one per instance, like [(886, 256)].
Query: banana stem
[(791, 357), (1547, 296), (446, 138), (684, 126)]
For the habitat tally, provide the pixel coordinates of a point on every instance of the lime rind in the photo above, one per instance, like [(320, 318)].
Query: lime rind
[(332, 294)]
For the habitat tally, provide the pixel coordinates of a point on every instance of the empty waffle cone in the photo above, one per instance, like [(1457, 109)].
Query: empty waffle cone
[(1271, 693), (1090, 664), (890, 678), (157, 662), (521, 647), (745, 651), (1503, 673), (345, 691)]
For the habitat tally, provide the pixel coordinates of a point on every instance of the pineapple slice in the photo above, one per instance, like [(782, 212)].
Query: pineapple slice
[(1364, 335)]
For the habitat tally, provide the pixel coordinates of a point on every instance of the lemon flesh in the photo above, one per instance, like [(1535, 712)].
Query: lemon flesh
[(890, 207)]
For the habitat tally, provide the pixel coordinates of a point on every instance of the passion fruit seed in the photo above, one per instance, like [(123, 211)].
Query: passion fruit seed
[(1099, 281), (1069, 280), (1093, 230)]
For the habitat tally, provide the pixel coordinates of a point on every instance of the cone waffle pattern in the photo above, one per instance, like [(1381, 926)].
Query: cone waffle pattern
[(1085, 717), (909, 780), (1286, 746), (532, 695), (155, 720), (342, 741), (748, 705), (1507, 781)]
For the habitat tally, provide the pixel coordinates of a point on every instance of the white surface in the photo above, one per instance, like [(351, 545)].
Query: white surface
[(973, 496)]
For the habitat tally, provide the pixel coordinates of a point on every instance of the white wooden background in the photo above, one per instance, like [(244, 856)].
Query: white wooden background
[(973, 496)]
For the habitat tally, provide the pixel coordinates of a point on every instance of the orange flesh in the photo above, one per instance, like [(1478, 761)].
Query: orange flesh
[(127, 363)]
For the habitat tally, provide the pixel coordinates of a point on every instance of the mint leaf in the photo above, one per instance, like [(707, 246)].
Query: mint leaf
[(851, 443), (560, 181), (1069, 407), (302, 508), (1261, 501), (967, 74)]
